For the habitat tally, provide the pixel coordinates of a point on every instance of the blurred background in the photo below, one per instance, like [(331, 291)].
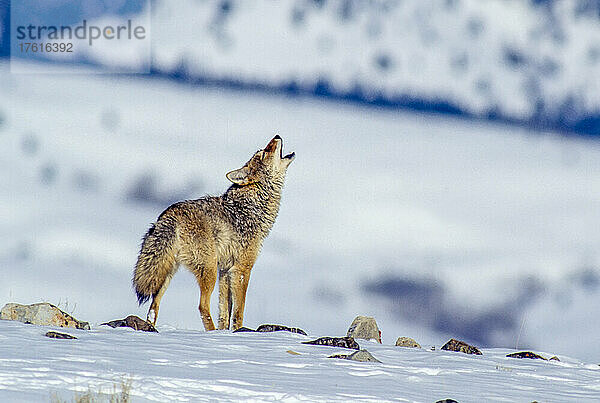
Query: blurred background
[(447, 172)]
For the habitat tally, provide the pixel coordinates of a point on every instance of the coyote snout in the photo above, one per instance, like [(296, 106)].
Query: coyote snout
[(215, 236)]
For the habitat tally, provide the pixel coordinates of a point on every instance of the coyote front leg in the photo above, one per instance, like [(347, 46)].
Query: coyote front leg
[(224, 298), (239, 282), (239, 277)]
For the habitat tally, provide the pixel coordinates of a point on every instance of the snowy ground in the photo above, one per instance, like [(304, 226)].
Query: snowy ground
[(476, 208), (179, 365)]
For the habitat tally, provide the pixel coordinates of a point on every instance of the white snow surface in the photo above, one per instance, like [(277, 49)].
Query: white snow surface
[(186, 365), (473, 206)]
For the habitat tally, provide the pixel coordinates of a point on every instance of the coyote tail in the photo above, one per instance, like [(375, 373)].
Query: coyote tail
[(156, 261)]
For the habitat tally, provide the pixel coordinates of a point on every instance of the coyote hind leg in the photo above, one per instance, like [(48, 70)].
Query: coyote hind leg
[(206, 278), (153, 311)]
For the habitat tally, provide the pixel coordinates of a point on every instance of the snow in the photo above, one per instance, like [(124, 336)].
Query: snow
[(477, 208), (512, 58), (187, 365)]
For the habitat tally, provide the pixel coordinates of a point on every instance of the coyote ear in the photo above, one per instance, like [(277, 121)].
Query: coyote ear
[(240, 176)]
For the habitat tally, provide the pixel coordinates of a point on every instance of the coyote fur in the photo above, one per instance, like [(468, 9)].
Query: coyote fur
[(215, 236)]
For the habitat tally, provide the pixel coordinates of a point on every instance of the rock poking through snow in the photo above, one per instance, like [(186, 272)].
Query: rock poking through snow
[(43, 314), (57, 335), (243, 329), (364, 327), (345, 342), (278, 328), (134, 322), (407, 342), (526, 354), (460, 346), (271, 328), (360, 355)]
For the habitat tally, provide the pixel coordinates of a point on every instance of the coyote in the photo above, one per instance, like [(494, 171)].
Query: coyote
[(213, 235)]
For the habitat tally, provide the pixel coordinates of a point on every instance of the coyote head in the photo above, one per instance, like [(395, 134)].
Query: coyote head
[(265, 165)]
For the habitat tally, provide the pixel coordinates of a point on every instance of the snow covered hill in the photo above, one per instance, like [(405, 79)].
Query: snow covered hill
[(184, 365), (533, 62)]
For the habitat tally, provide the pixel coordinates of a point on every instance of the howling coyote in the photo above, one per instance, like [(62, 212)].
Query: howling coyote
[(214, 235)]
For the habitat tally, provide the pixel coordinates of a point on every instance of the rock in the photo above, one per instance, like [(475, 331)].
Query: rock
[(340, 356), (526, 354), (43, 314), (460, 346), (243, 329), (407, 342), (364, 327), (292, 352), (57, 335), (447, 401), (278, 328), (554, 358), (134, 322), (345, 342), (361, 356)]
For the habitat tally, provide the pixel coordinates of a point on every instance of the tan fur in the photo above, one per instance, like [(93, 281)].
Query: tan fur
[(215, 237)]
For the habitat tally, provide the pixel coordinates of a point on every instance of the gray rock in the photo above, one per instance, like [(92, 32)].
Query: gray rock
[(360, 356), (364, 327), (43, 314), (407, 342)]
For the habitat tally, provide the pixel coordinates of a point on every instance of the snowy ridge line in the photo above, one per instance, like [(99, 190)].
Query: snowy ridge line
[(526, 64), (586, 125)]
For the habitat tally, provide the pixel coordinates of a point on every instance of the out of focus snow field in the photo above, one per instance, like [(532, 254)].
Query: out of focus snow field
[(89, 161)]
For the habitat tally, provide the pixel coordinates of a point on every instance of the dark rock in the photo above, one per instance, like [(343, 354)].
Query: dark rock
[(43, 314), (407, 342), (554, 358), (447, 401), (134, 322), (526, 354), (460, 346), (364, 327), (57, 335), (278, 328), (243, 329), (339, 356), (345, 342)]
